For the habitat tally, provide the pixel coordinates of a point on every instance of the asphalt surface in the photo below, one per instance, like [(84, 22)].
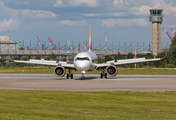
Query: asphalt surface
[(143, 83)]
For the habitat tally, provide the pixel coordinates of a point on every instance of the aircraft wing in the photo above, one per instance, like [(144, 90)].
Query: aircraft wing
[(124, 62), (47, 62)]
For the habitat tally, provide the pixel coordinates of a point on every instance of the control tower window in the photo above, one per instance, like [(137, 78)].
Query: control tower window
[(158, 12), (154, 12), (82, 59)]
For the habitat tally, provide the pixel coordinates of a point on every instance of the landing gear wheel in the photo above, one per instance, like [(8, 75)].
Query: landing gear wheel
[(83, 78), (67, 76), (105, 75), (71, 76), (101, 75)]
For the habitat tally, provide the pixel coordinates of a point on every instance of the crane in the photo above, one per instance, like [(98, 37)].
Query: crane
[(168, 34), (68, 43), (173, 32), (85, 45), (50, 42), (39, 43)]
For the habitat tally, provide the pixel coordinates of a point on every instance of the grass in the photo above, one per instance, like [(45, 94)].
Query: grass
[(56, 105), (46, 70)]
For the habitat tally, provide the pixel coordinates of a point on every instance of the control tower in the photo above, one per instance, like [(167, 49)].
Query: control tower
[(156, 18)]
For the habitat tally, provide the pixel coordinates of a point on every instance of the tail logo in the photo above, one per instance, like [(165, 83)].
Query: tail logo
[(90, 41)]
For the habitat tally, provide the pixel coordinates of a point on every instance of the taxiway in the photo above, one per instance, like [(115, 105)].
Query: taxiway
[(143, 83)]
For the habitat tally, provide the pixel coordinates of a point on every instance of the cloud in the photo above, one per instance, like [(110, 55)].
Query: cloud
[(142, 10), (118, 2), (89, 3), (76, 3), (59, 3), (124, 22), (72, 23), (22, 2), (25, 13), (169, 26), (91, 15), (11, 24), (116, 14), (36, 14)]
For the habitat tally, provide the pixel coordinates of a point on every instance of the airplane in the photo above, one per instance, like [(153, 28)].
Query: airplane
[(84, 61)]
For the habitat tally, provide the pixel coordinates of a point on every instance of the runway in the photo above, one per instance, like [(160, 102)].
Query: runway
[(143, 83)]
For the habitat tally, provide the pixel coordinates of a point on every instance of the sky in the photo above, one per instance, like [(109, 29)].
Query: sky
[(69, 20)]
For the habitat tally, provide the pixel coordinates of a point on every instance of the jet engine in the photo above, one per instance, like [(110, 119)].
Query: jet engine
[(60, 71), (112, 70)]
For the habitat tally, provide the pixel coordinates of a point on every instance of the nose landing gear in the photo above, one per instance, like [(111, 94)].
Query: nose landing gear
[(83, 77)]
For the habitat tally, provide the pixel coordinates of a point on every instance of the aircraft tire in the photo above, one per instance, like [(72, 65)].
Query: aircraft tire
[(67, 76), (105, 75), (71, 76), (101, 75)]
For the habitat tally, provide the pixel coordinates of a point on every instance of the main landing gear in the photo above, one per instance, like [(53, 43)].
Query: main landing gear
[(83, 77), (69, 74), (103, 74)]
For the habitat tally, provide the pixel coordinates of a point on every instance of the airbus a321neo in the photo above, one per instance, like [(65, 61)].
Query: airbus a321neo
[(84, 62)]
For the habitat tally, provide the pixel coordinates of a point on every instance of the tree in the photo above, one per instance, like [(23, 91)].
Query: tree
[(2, 60), (116, 57), (28, 57), (53, 56), (38, 57), (172, 52), (47, 58), (100, 60), (149, 56), (108, 58), (64, 60), (15, 58), (130, 56), (21, 48), (161, 62), (119, 56), (139, 56)]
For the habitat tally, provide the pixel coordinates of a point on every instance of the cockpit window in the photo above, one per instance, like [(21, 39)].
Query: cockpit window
[(81, 59)]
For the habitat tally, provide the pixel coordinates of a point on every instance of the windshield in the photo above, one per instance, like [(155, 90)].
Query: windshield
[(85, 58)]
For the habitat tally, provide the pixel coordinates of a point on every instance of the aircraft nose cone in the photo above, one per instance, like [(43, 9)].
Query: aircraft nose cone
[(82, 66)]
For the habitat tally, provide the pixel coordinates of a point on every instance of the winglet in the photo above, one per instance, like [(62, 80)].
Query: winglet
[(165, 55), (90, 41)]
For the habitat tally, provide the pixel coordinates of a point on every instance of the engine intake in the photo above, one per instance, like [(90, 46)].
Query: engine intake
[(60, 71), (112, 70)]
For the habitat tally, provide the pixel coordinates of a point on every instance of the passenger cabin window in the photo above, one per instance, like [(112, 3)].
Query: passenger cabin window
[(81, 59)]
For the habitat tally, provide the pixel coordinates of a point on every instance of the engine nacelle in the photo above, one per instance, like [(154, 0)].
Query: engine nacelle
[(60, 71), (112, 70)]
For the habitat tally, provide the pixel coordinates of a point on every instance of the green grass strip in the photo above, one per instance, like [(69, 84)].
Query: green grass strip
[(63, 105)]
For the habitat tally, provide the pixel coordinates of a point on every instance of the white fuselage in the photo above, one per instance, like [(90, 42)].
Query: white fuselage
[(83, 61)]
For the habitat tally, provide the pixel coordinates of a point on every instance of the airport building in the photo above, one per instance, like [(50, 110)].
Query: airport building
[(156, 18), (7, 44)]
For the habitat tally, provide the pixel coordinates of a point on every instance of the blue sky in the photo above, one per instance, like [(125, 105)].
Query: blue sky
[(69, 20)]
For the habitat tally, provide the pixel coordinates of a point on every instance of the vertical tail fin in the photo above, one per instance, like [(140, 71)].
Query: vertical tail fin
[(90, 41)]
